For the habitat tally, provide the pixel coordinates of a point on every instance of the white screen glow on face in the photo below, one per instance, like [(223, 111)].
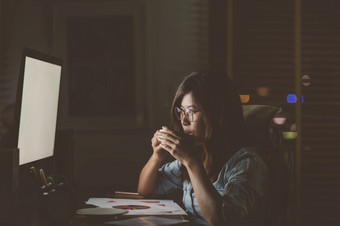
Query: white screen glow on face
[(39, 109)]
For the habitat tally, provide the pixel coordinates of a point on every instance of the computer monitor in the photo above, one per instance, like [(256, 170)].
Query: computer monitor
[(37, 105)]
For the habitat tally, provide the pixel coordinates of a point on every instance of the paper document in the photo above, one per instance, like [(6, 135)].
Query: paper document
[(139, 206)]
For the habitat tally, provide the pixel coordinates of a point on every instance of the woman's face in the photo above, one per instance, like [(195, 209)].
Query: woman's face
[(195, 128)]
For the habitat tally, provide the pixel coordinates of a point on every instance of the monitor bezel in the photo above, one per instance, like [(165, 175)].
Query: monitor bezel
[(28, 52)]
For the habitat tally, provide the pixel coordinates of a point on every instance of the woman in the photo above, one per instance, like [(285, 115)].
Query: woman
[(222, 180)]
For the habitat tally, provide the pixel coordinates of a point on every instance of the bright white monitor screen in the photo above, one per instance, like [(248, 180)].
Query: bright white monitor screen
[(39, 107)]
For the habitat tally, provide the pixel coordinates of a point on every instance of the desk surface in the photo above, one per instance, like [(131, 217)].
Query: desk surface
[(33, 216), (85, 221), (80, 220)]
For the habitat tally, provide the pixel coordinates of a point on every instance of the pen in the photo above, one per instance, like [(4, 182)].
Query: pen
[(42, 175), (34, 171)]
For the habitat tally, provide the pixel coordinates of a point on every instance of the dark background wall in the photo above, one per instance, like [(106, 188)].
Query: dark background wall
[(169, 40), (254, 41)]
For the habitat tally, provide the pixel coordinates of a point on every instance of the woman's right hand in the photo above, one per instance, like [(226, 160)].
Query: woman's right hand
[(158, 152), (149, 174)]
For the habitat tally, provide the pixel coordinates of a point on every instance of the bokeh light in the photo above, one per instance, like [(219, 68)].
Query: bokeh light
[(293, 127), (306, 80), (289, 135), (291, 99), (279, 120), (263, 91), (244, 98)]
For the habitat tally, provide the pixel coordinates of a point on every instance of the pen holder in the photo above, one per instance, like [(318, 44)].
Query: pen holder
[(57, 202)]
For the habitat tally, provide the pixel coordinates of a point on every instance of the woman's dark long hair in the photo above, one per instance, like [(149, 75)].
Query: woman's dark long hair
[(223, 117)]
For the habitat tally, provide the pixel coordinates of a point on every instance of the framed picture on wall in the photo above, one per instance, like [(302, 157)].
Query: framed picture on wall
[(101, 44)]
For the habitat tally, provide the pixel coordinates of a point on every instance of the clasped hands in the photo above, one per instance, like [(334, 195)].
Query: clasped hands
[(180, 145)]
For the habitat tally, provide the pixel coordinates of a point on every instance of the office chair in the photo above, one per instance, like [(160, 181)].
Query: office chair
[(278, 159)]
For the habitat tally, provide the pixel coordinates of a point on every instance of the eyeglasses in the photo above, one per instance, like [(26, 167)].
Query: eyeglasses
[(190, 114)]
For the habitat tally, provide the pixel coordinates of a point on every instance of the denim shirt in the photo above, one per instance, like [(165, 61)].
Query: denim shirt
[(241, 183)]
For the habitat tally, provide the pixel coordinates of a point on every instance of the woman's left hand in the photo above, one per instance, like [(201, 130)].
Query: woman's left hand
[(180, 146)]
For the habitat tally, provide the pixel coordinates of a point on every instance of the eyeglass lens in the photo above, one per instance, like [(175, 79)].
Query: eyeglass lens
[(180, 113)]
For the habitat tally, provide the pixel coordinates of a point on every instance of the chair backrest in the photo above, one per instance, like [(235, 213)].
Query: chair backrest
[(278, 159)]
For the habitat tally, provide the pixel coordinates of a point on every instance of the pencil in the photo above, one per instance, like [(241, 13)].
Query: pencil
[(42, 175)]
